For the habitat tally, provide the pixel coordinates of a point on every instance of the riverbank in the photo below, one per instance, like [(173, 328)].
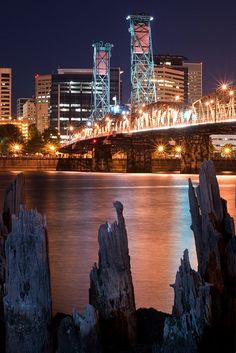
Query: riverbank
[(28, 163), (161, 165)]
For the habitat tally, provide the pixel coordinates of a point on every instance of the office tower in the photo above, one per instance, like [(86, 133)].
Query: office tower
[(29, 111), (72, 92), (42, 98), (5, 92), (171, 78), (19, 107), (194, 80)]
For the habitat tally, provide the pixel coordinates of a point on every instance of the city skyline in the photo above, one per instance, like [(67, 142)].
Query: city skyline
[(39, 40)]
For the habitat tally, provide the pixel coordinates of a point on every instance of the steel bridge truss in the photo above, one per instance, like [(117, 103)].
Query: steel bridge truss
[(216, 106), (143, 87), (101, 80)]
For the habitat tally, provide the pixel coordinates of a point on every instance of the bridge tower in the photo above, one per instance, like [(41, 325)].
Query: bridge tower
[(143, 87), (101, 80)]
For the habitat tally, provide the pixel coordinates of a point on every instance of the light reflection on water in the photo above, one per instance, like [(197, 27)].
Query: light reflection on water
[(157, 218)]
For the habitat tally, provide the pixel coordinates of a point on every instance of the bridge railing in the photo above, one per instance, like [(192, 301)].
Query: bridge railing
[(160, 117)]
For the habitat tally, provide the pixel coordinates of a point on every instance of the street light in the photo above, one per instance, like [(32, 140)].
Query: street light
[(160, 148), (15, 148), (178, 149), (222, 88)]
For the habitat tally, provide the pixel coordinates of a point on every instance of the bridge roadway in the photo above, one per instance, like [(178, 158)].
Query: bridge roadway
[(139, 148)]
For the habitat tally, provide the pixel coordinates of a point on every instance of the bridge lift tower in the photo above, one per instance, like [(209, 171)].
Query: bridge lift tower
[(143, 87), (101, 80)]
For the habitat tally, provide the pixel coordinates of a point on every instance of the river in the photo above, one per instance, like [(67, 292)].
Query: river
[(157, 217)]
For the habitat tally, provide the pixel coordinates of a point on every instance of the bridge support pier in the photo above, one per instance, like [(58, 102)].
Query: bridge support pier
[(139, 159), (196, 149), (102, 159)]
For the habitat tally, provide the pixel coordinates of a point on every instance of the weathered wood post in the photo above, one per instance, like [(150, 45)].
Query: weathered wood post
[(27, 303), (14, 196), (111, 286), (215, 240), (191, 314), (79, 333)]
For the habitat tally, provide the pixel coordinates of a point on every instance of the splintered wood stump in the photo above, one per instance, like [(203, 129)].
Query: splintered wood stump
[(14, 197), (111, 286), (191, 312), (215, 241), (79, 333), (27, 303)]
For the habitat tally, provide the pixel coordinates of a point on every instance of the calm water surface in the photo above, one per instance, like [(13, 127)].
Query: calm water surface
[(157, 217)]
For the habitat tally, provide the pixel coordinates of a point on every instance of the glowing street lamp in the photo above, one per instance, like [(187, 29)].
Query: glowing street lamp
[(224, 87), (178, 149), (15, 148), (51, 148), (160, 148), (226, 151)]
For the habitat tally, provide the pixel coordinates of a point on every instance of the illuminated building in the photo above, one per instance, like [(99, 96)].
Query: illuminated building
[(72, 92), (169, 84), (220, 141), (19, 108), (194, 81), (42, 98), (171, 78), (5, 92), (29, 111), (173, 73)]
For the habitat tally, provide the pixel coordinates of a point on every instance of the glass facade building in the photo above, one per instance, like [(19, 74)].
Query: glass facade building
[(71, 98), (171, 78)]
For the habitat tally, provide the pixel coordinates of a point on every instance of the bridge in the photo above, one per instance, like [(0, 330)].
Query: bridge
[(140, 137)]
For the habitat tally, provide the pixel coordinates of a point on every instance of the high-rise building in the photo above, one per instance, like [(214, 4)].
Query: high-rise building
[(72, 92), (5, 92), (169, 84), (171, 78), (19, 108), (29, 111), (194, 81), (42, 97)]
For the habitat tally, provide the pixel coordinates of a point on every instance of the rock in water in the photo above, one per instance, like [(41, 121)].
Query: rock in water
[(27, 303), (111, 287), (13, 199), (215, 240), (191, 313)]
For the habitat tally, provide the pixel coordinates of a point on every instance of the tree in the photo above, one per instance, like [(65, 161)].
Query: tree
[(51, 135), (35, 143), (9, 133)]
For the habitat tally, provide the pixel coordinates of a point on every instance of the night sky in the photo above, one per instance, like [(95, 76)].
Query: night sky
[(40, 36)]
